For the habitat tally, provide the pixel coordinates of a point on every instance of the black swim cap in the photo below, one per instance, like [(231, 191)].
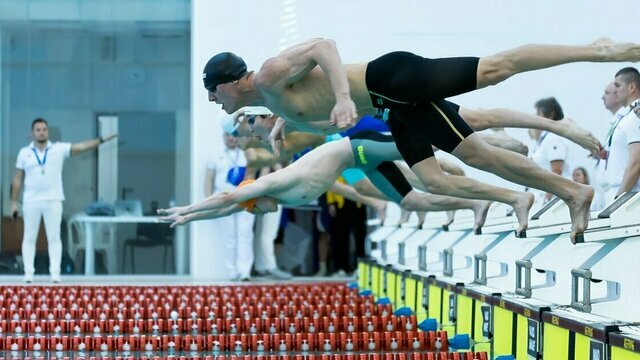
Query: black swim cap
[(223, 68)]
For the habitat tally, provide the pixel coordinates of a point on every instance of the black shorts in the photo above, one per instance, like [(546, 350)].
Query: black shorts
[(412, 89), (436, 123)]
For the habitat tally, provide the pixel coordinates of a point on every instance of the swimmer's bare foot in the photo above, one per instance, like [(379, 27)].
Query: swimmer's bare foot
[(451, 214), (381, 210), (579, 205), (615, 51), (421, 216), (480, 211), (567, 128), (522, 205)]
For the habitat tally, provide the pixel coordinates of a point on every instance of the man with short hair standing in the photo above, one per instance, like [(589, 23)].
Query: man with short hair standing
[(622, 166), (39, 166)]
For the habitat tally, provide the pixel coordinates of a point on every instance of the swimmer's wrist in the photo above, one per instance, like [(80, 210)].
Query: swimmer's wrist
[(343, 96)]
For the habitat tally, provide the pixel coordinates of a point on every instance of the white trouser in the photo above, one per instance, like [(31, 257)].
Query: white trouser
[(237, 232), (600, 186), (51, 212), (267, 226)]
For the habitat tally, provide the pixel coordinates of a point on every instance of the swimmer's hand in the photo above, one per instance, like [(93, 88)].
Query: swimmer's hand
[(344, 114), (276, 137), (175, 220), (177, 210)]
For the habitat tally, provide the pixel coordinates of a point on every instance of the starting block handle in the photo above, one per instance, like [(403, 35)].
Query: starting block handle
[(523, 266), (422, 257), (584, 304), (480, 269), (383, 249), (401, 250), (448, 262)]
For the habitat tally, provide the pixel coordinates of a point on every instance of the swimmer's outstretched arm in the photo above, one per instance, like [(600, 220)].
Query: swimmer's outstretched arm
[(260, 187), (297, 61), (176, 220)]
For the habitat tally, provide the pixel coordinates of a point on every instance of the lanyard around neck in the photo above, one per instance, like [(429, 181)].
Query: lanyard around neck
[(44, 158), (542, 136), (613, 130)]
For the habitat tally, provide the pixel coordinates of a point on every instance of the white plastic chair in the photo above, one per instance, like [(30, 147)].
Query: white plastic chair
[(105, 241)]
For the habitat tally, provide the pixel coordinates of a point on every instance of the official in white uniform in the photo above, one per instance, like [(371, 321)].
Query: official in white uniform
[(622, 163), (549, 151), (617, 108), (224, 173), (267, 225), (39, 165)]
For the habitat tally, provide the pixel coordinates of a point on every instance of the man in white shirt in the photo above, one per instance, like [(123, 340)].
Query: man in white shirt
[(549, 150), (617, 109), (40, 166), (622, 165), (224, 173)]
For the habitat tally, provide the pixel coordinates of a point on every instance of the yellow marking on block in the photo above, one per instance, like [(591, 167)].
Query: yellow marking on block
[(422, 312), (478, 329), (362, 275), (618, 353), (464, 310), (399, 301), (375, 283), (502, 331), (391, 287), (555, 342), (435, 305), (583, 346), (522, 342), (447, 325), (410, 287)]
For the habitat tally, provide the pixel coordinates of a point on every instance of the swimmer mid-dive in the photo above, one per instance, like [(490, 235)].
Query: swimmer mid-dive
[(311, 175), (308, 86)]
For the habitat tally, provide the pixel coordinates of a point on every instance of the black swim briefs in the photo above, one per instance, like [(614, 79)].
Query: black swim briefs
[(411, 91)]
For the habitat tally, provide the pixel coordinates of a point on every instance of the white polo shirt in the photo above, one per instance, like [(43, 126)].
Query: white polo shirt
[(625, 133), (550, 147), (43, 172), (222, 164)]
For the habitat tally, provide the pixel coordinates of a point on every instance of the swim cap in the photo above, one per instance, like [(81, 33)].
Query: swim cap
[(248, 205), (223, 68), (229, 124), (257, 110)]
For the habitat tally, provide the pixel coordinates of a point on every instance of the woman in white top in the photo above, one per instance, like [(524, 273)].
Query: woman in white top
[(549, 150), (224, 173)]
